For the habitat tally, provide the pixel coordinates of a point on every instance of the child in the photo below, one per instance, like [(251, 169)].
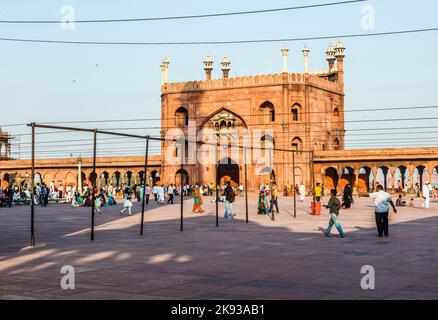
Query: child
[(334, 205), (411, 203)]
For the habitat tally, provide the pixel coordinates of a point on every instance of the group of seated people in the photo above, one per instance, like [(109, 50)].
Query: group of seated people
[(403, 202), (85, 199)]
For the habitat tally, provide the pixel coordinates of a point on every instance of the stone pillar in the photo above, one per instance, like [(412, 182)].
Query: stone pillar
[(79, 186), (306, 59), (356, 175), (411, 170), (225, 67), (331, 57), (340, 54), (393, 181), (374, 172), (164, 69), (284, 52), (208, 67)]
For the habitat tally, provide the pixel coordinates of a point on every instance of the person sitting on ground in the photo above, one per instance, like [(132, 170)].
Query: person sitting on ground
[(262, 204), (400, 201), (411, 203)]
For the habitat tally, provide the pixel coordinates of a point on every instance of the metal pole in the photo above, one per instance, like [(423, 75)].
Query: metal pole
[(215, 186), (246, 185), (32, 192), (93, 184), (293, 182), (270, 182), (313, 177), (182, 177), (144, 184)]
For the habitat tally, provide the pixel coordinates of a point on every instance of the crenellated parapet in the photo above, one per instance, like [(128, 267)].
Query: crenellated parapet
[(319, 79)]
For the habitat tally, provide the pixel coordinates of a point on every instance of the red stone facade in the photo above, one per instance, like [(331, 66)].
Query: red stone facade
[(300, 111)]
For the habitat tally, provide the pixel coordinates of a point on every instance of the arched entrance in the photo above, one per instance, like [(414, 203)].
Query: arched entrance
[(155, 176), (228, 170), (348, 177), (364, 179), (331, 179), (185, 177)]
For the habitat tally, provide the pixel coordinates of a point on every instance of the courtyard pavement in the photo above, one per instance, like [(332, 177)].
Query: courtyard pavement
[(288, 258)]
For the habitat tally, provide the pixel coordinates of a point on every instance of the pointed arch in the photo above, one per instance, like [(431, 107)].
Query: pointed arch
[(296, 111), (269, 112), (181, 117), (222, 113)]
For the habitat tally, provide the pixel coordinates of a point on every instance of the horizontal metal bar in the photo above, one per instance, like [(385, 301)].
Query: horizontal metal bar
[(36, 125)]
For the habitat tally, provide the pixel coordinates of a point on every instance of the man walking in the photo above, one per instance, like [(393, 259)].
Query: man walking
[(274, 198), (229, 199), (155, 192), (426, 196), (382, 200), (170, 193), (334, 205)]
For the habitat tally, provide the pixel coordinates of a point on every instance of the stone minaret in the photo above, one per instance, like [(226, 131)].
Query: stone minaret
[(340, 54), (306, 52), (331, 52), (208, 67), (225, 66), (284, 52), (164, 68)]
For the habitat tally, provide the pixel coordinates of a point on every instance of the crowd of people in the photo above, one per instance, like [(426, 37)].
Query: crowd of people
[(267, 202)]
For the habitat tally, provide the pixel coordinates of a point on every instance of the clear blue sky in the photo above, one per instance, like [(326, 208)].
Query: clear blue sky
[(36, 80)]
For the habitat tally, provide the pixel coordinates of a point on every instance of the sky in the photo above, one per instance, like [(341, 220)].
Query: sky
[(46, 82)]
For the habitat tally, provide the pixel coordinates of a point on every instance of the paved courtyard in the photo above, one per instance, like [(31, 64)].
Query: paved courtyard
[(283, 259)]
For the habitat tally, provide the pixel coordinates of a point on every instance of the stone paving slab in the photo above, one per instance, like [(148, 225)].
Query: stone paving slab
[(283, 259)]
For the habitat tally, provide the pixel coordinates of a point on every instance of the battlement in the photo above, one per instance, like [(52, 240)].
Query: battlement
[(318, 79)]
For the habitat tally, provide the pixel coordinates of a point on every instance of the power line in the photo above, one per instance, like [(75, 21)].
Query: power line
[(242, 115), (248, 115), (339, 36), (208, 15)]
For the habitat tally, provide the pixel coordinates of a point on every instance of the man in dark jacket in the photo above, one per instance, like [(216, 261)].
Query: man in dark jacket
[(229, 199), (334, 205)]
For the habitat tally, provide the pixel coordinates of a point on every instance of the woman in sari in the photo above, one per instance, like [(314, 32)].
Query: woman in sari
[(262, 204), (197, 202)]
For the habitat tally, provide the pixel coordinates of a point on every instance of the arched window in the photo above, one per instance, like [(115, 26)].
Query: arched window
[(336, 112), (181, 117), (269, 112), (296, 112), (336, 144), (297, 144)]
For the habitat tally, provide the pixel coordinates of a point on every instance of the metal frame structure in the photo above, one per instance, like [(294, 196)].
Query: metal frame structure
[(147, 139)]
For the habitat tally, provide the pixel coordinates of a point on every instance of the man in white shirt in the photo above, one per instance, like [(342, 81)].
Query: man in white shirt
[(160, 195), (170, 193), (382, 200), (155, 192), (426, 196)]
